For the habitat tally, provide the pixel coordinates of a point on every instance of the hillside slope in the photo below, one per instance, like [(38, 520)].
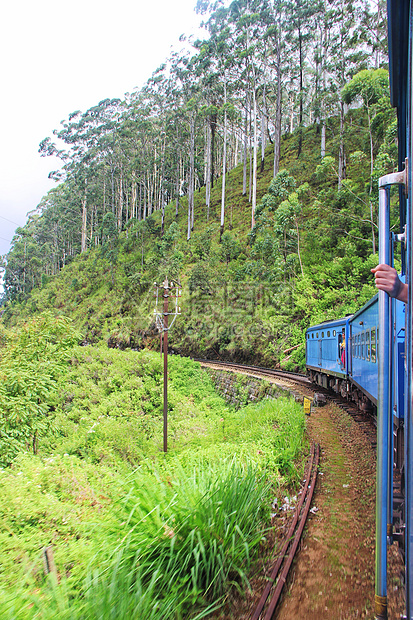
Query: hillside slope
[(247, 295)]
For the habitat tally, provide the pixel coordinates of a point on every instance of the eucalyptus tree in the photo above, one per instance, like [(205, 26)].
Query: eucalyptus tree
[(343, 57), (374, 27), (184, 73), (275, 26), (372, 89), (245, 18), (300, 38), (220, 45), (85, 136)]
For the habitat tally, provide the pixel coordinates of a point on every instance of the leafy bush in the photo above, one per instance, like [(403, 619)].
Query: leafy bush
[(138, 533), (30, 365)]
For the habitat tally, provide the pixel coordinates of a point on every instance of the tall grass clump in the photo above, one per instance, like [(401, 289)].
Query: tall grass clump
[(186, 540), (139, 534), (185, 537)]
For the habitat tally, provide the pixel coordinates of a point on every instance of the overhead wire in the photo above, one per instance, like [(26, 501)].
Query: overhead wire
[(7, 220)]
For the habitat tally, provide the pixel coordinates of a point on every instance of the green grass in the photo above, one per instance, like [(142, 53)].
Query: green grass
[(138, 533)]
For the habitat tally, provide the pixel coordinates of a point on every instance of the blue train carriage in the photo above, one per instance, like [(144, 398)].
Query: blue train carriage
[(362, 366), (363, 360), (326, 354), (399, 374)]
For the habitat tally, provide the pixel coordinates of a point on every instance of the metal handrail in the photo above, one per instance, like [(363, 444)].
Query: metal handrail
[(384, 401)]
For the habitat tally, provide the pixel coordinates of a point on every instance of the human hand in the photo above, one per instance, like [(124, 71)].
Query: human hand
[(387, 280)]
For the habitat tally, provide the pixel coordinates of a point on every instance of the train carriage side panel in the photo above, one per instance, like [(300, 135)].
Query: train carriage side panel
[(326, 359), (363, 362), (399, 360), (363, 350)]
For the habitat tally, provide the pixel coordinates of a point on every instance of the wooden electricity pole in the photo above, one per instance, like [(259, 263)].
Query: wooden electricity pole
[(165, 364), (164, 327)]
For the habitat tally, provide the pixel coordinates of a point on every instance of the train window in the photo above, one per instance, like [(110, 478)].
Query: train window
[(322, 334), (373, 344), (312, 335), (353, 346), (316, 335), (363, 353), (358, 345), (328, 334), (334, 332), (368, 345)]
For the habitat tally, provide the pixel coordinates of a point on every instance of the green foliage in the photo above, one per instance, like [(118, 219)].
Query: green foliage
[(199, 278), (369, 85), (230, 247), (247, 295), (30, 365), (139, 533)]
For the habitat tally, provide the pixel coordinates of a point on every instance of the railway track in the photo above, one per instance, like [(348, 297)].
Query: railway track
[(272, 592), (299, 386), (257, 371), (297, 380)]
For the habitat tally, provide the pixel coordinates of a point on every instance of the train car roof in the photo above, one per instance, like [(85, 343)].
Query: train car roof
[(367, 305), (333, 323), (398, 42)]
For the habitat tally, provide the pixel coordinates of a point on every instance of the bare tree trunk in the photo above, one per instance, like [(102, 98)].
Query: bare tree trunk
[(133, 198), (323, 139), (263, 126), (213, 123), (236, 150), (120, 203), (300, 127), (373, 234), (84, 221), (277, 136), (250, 153), (127, 210), (145, 192), (224, 159), (341, 150), (163, 203), (323, 111), (245, 149), (191, 177), (140, 203), (208, 170), (254, 167), (177, 188)]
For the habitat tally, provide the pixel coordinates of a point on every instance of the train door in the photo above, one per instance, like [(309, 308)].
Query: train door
[(341, 349), (320, 352), (339, 341), (408, 421)]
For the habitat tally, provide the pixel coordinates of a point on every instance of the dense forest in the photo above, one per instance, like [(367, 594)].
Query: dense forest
[(246, 167)]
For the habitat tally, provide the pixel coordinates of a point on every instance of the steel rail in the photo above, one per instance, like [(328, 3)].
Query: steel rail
[(306, 494), (277, 565), (266, 371)]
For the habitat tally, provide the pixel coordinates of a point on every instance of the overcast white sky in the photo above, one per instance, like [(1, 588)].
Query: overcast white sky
[(59, 56)]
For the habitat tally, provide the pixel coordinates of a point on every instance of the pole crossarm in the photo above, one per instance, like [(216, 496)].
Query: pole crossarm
[(171, 289)]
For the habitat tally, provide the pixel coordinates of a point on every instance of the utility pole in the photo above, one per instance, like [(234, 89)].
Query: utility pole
[(170, 289)]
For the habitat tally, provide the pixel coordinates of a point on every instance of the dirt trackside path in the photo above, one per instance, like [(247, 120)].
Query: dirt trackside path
[(333, 576)]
